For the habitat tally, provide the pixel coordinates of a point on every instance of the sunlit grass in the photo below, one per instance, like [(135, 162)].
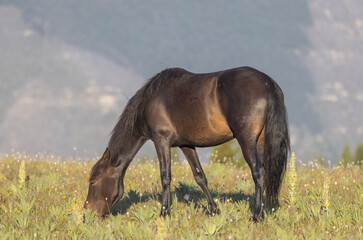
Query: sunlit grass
[(42, 197)]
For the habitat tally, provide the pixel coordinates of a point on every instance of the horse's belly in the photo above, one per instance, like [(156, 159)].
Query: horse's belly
[(207, 133)]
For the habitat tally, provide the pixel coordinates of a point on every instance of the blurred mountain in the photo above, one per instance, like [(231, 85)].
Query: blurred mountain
[(56, 97), (68, 67), (334, 61)]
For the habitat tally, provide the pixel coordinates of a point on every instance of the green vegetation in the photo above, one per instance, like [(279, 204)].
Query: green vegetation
[(42, 197), (358, 156), (347, 158), (174, 154), (228, 153)]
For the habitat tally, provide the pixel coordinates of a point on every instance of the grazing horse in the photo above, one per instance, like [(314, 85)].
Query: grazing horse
[(177, 108)]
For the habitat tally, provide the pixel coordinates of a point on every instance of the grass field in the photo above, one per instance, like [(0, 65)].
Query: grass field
[(42, 197)]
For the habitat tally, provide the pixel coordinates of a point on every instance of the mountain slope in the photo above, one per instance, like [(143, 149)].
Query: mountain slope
[(58, 97), (201, 36), (56, 52)]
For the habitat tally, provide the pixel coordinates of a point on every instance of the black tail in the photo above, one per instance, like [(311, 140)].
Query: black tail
[(277, 145)]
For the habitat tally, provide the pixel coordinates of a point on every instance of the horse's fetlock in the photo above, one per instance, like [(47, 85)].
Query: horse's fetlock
[(166, 182)]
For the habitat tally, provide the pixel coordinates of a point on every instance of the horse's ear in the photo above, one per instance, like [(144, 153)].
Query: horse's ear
[(106, 156)]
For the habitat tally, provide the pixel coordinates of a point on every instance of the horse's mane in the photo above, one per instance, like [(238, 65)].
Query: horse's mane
[(131, 120)]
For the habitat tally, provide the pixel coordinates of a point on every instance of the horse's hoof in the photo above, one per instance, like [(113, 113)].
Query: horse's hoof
[(257, 218), (164, 213), (215, 211)]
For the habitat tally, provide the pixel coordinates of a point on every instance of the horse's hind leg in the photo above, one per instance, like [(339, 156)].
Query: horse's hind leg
[(249, 134), (199, 176), (250, 153)]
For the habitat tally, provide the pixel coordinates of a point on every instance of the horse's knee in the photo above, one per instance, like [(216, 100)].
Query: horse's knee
[(200, 179)]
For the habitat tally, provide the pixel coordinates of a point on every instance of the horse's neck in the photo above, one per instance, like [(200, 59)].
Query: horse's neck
[(125, 148)]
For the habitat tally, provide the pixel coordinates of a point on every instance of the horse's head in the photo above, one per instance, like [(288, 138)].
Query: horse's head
[(104, 186)]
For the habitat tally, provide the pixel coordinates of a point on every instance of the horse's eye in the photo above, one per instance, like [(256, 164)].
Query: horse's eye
[(92, 183)]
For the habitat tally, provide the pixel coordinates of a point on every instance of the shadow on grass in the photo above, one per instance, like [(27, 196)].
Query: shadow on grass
[(185, 193), (191, 193), (126, 202)]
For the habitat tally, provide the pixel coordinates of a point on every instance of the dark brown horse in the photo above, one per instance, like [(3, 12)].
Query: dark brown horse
[(176, 108)]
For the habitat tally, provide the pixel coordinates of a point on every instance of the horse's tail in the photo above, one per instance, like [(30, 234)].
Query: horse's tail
[(276, 144)]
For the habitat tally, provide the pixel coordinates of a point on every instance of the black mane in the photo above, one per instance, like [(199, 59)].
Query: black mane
[(131, 118)]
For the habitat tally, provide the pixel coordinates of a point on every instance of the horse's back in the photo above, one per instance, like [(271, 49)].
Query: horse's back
[(195, 109), (187, 108)]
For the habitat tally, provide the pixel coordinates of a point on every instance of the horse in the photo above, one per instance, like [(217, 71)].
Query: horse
[(177, 108)]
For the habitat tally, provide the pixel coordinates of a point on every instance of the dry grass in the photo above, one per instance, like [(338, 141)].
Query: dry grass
[(44, 200)]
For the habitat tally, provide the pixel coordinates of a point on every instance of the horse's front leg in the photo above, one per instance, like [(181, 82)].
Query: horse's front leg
[(162, 146), (199, 176)]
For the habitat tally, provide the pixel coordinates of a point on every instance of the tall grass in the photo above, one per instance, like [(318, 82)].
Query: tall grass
[(42, 197), (291, 182)]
